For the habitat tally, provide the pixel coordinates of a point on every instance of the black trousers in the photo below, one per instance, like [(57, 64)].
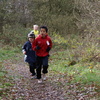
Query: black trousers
[(42, 65), (32, 67)]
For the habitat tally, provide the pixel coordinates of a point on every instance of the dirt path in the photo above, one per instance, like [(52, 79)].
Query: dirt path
[(54, 88), (26, 88)]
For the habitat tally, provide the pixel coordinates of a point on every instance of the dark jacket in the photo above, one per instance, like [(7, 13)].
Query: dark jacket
[(30, 56)]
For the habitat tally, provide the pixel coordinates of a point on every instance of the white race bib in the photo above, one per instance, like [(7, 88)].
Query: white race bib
[(48, 43)]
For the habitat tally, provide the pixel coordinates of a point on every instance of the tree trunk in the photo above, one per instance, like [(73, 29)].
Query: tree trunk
[(1, 25)]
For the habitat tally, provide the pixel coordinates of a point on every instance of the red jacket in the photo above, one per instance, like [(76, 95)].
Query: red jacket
[(43, 43)]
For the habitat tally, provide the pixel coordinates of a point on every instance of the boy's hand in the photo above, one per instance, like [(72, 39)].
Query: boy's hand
[(24, 52), (48, 49), (37, 47)]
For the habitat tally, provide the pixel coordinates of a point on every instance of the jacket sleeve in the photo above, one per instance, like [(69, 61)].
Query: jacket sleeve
[(24, 47)]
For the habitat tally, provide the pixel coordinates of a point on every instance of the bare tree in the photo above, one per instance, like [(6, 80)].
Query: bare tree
[(88, 15)]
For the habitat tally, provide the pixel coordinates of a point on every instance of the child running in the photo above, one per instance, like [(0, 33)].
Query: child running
[(30, 56), (42, 45), (35, 30)]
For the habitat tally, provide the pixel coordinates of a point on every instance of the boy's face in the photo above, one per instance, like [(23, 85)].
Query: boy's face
[(43, 32), (31, 39), (35, 27)]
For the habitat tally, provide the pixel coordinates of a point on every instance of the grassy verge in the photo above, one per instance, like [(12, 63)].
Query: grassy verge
[(84, 77), (86, 72), (6, 82), (77, 60)]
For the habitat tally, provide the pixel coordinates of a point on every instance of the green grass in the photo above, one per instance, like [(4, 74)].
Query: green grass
[(82, 72), (77, 57), (6, 82), (8, 53)]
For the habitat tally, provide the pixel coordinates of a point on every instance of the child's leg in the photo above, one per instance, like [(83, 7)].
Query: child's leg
[(45, 65), (32, 68), (39, 66)]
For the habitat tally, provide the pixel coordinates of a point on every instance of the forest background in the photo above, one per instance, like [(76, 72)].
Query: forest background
[(74, 26)]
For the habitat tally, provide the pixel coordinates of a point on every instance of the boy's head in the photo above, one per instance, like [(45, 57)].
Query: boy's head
[(35, 27), (43, 31), (31, 37)]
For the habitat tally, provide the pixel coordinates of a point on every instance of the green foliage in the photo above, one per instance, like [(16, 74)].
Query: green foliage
[(60, 7), (14, 35), (50, 12), (79, 59), (80, 72), (8, 53), (5, 81)]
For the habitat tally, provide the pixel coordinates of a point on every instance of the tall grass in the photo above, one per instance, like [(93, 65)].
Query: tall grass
[(77, 56), (14, 35)]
